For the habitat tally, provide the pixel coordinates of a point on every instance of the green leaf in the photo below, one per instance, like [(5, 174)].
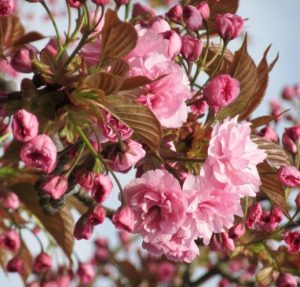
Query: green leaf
[(118, 38), (141, 120), (60, 225), (244, 70)]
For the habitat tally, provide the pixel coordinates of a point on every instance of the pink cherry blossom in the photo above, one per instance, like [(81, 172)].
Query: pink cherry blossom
[(6, 7), (102, 187), (55, 186), (42, 263), (123, 218), (229, 26), (289, 176)]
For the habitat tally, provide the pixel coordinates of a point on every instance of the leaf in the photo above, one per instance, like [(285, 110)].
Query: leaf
[(129, 270), (276, 156), (119, 67), (135, 82), (264, 276), (28, 38), (244, 70), (272, 187), (141, 120), (59, 225), (261, 121), (27, 261), (78, 205), (107, 82), (118, 38)]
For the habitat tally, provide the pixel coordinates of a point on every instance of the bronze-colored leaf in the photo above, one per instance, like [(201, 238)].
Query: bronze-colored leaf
[(130, 272), (119, 67), (141, 120), (135, 82), (276, 156), (244, 70), (118, 38), (106, 82), (59, 225), (272, 187), (261, 121), (28, 38), (27, 261)]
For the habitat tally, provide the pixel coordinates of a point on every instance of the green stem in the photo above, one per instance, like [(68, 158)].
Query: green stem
[(4, 137), (77, 159)]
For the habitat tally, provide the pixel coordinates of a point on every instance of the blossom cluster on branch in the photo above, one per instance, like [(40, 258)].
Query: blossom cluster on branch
[(160, 98)]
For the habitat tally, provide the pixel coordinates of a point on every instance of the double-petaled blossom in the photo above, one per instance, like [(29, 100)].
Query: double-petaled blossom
[(40, 153), (269, 220), (221, 91), (83, 228), (123, 219), (96, 215), (204, 10), (175, 13), (85, 179), (15, 264), (192, 18), (286, 280), (21, 60), (233, 157), (9, 200), (174, 43), (291, 138), (6, 7), (269, 134), (253, 214), (191, 48), (292, 239), (25, 125), (229, 26)]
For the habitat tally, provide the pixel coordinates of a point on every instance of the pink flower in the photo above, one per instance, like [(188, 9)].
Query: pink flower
[(292, 239), (102, 187), (286, 280), (113, 125), (269, 134), (253, 215), (211, 209), (233, 157), (174, 43), (91, 52), (165, 272), (25, 126), (21, 60), (123, 219), (83, 228), (167, 95), (289, 176), (85, 179), (288, 93), (55, 186), (6, 7), (140, 9), (42, 263), (159, 25), (9, 200), (237, 231), (15, 265), (132, 154), (96, 215), (229, 26), (86, 273), (10, 240), (269, 220), (175, 13), (191, 48), (100, 2), (75, 3), (192, 18), (221, 91), (40, 153), (291, 138), (204, 10)]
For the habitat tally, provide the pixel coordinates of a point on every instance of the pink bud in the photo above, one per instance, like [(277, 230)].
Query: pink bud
[(204, 10), (25, 126), (174, 43), (10, 240), (119, 3), (83, 228), (228, 243), (86, 273), (288, 93), (101, 255), (15, 265), (229, 26), (269, 220), (76, 3), (21, 60), (40, 153), (123, 219), (55, 186), (286, 280), (101, 243), (221, 91), (297, 200), (96, 215), (253, 215), (191, 48), (132, 154), (192, 18), (237, 231), (125, 238), (159, 25), (42, 263), (297, 90), (175, 13), (291, 138), (85, 179), (165, 272), (292, 239), (140, 9), (9, 200), (289, 176), (100, 2), (269, 134), (6, 7), (102, 187)]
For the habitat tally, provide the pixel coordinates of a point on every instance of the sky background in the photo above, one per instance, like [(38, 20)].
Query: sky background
[(273, 22)]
